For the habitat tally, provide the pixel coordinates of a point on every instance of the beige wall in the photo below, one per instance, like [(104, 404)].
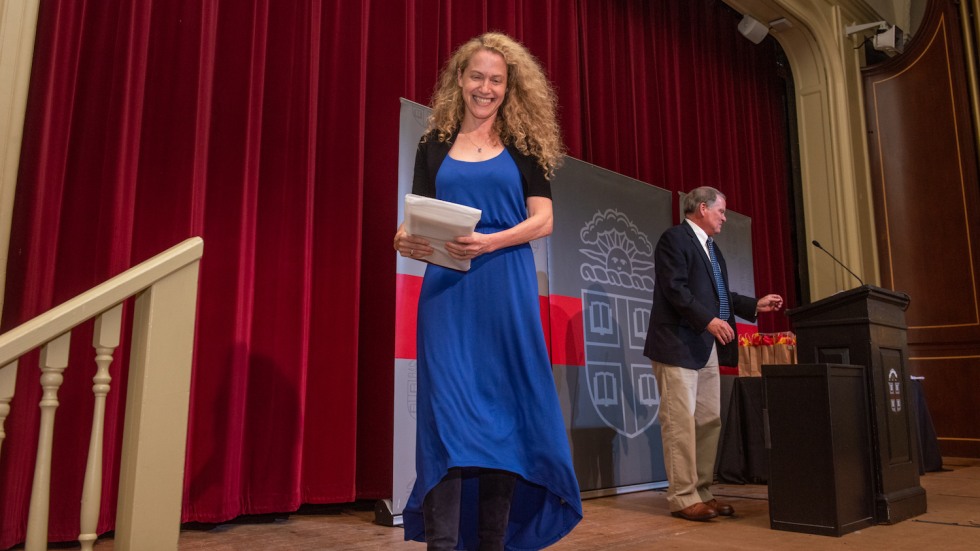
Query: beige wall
[(894, 11), (907, 14)]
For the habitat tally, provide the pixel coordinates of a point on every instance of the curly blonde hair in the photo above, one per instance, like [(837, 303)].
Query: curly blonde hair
[(527, 118)]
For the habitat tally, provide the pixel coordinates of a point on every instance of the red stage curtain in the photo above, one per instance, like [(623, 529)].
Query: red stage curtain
[(270, 129)]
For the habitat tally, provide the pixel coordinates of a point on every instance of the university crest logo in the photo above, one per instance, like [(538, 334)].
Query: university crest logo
[(615, 315)]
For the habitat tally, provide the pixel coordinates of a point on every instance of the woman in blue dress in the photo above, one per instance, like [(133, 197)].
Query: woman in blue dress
[(494, 469)]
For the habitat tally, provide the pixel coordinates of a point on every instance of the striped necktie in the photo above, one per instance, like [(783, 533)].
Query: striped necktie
[(723, 309)]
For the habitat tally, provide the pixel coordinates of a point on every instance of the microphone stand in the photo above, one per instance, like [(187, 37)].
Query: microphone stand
[(817, 245)]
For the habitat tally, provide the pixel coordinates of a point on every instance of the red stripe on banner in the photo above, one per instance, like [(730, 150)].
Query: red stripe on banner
[(406, 311), (567, 340), (407, 288), (561, 319)]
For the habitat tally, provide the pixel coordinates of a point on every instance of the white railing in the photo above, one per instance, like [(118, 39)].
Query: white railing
[(157, 396)]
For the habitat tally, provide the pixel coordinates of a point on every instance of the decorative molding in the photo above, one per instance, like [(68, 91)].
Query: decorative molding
[(837, 199)]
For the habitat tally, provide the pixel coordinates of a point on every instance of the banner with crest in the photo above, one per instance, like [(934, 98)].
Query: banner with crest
[(601, 279)]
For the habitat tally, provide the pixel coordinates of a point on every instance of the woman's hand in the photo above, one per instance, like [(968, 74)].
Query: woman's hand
[(538, 224), (411, 246), (470, 246)]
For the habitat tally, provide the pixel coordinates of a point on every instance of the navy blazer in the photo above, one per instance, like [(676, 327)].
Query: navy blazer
[(685, 300)]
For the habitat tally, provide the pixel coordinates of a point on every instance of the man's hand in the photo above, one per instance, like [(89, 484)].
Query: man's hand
[(769, 303), (721, 330)]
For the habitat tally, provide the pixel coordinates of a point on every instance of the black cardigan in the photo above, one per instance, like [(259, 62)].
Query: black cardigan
[(431, 153)]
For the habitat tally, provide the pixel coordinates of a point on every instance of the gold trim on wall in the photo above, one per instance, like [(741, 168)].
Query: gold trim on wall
[(970, 51)]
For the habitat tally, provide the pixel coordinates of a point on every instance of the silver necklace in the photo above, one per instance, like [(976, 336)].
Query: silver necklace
[(478, 148)]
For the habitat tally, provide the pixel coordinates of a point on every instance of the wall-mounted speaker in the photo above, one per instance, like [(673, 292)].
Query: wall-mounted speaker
[(752, 29)]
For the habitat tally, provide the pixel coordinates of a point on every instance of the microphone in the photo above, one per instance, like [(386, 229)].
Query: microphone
[(817, 245)]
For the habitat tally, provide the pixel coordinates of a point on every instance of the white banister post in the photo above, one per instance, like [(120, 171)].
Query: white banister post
[(151, 474), (54, 360), (105, 339), (8, 383)]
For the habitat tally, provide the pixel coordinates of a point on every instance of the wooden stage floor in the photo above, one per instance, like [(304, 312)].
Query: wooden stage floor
[(637, 521)]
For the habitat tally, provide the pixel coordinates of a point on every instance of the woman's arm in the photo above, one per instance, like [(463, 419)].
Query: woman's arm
[(539, 223)]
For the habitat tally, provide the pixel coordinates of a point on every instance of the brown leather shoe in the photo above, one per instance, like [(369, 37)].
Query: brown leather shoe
[(722, 509), (698, 511)]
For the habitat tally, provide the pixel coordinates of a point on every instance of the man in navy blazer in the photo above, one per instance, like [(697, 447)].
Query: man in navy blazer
[(692, 331)]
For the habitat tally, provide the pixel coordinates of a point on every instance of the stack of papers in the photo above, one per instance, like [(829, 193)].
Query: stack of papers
[(439, 222)]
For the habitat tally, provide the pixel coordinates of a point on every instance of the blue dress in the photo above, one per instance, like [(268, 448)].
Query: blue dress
[(486, 394)]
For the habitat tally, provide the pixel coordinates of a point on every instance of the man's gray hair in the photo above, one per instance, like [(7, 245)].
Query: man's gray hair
[(704, 194)]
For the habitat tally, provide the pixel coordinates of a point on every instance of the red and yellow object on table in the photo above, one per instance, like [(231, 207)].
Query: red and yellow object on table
[(757, 349)]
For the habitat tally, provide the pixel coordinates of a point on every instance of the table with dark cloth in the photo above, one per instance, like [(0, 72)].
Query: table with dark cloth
[(930, 459), (742, 454)]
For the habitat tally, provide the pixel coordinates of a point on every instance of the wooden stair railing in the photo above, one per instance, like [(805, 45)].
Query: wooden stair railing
[(158, 392)]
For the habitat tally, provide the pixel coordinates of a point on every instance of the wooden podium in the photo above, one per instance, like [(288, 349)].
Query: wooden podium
[(866, 326), (820, 469)]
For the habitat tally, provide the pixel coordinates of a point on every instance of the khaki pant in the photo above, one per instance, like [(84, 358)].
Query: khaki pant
[(690, 421)]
